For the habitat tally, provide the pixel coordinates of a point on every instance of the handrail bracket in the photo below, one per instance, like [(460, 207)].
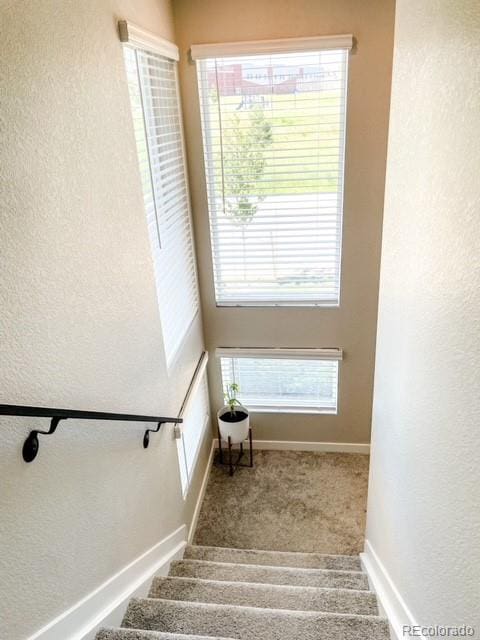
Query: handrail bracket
[(32, 445), (146, 435)]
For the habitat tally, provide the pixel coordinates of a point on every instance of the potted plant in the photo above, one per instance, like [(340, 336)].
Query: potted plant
[(233, 418)]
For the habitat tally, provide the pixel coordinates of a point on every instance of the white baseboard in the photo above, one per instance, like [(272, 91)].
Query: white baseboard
[(389, 597), (201, 494), (292, 445), (106, 605)]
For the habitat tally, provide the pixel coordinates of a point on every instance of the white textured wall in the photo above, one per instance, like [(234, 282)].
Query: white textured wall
[(423, 510), (351, 326), (79, 317)]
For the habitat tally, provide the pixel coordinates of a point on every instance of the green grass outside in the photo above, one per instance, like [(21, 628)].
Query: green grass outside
[(303, 156)]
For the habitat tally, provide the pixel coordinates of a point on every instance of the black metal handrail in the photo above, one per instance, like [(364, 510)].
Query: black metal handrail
[(31, 444)]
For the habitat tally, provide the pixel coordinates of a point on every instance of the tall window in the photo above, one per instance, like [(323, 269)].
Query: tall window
[(152, 82), (191, 433), (274, 143)]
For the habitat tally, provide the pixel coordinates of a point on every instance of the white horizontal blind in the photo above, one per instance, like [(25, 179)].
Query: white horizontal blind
[(193, 428), (274, 142), (281, 384), (152, 81)]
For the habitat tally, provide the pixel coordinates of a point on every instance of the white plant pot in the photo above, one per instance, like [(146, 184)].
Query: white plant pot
[(238, 431)]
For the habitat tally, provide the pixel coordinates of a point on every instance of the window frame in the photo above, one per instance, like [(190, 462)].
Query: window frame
[(318, 355), (139, 39), (202, 53), (199, 382)]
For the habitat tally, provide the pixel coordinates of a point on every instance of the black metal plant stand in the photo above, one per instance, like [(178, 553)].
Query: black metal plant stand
[(230, 463)]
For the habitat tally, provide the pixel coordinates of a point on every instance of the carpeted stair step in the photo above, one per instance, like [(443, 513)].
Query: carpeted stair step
[(141, 634), (273, 558), (266, 596), (269, 575), (249, 623)]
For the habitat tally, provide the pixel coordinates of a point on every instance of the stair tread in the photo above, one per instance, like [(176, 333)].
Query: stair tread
[(273, 558), (250, 623), (293, 576), (273, 596)]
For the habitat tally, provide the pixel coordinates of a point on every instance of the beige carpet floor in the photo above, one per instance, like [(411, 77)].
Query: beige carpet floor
[(289, 501)]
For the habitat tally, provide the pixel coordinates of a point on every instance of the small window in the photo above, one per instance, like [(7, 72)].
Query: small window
[(153, 87), (284, 380), (191, 432)]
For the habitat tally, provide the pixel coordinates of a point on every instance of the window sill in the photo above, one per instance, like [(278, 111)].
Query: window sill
[(261, 305), (294, 410)]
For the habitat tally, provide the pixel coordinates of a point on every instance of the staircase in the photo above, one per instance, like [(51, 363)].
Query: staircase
[(255, 595)]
